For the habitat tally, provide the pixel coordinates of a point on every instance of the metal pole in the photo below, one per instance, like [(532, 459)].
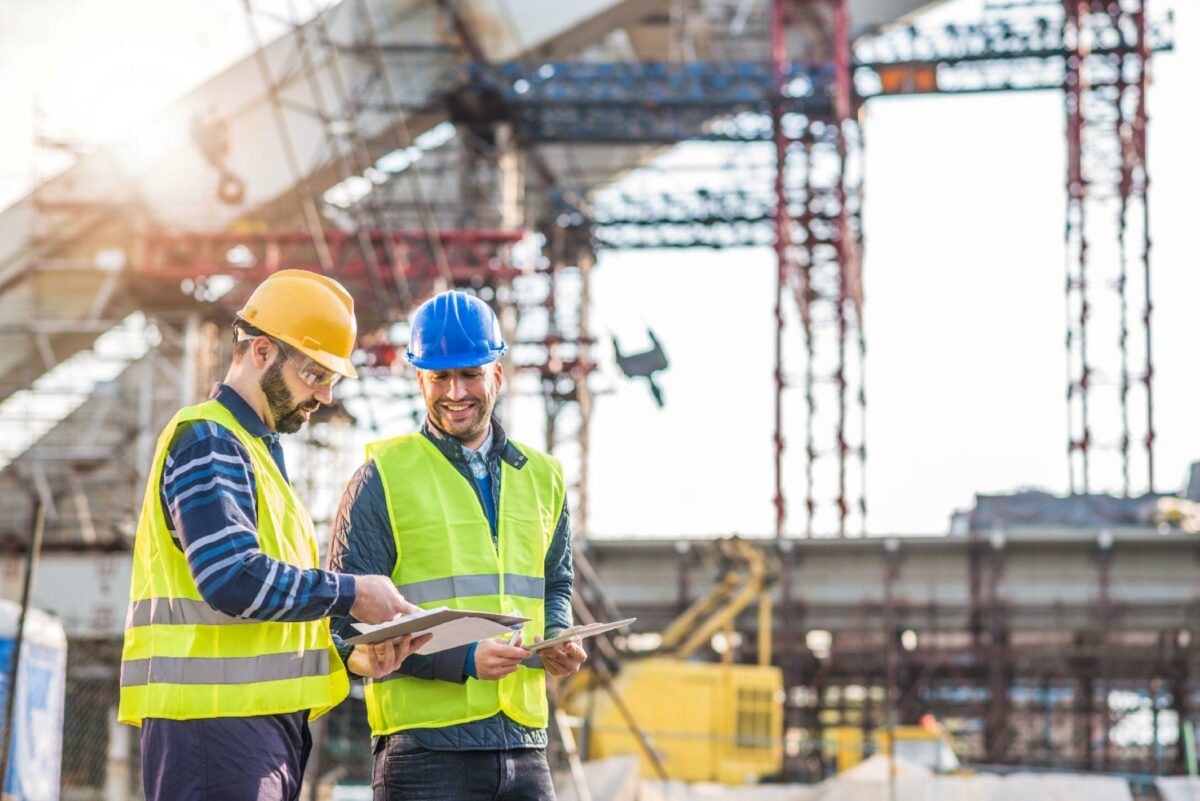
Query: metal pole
[(1125, 190), (1141, 125), (31, 556), (891, 569), (583, 392), (778, 59), (841, 56), (1075, 249)]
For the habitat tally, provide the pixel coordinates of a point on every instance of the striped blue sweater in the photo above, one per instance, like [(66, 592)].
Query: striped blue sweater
[(209, 497)]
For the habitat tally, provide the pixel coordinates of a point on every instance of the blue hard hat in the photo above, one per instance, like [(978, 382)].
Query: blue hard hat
[(454, 330)]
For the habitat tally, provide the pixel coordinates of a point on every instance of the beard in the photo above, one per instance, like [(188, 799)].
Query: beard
[(289, 415), (467, 429)]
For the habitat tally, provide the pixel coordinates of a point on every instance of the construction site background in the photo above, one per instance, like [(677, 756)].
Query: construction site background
[(569, 165)]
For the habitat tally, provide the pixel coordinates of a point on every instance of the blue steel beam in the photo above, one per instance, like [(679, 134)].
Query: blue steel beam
[(643, 102), (631, 102), (658, 103)]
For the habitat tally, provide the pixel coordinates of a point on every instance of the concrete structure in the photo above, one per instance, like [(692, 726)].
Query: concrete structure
[(1037, 648)]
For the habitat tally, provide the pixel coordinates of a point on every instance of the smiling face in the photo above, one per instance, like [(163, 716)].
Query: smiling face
[(460, 401)]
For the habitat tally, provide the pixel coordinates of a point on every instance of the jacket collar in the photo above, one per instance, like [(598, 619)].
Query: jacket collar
[(452, 449)]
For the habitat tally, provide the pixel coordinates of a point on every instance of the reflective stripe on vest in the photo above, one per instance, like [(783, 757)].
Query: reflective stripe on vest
[(177, 612), (451, 587), (184, 660), (236, 670), (445, 556)]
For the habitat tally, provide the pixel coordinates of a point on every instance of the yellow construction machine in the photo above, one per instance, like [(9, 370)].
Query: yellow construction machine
[(690, 719)]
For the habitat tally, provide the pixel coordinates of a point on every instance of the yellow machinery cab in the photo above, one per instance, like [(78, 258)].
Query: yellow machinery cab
[(695, 720)]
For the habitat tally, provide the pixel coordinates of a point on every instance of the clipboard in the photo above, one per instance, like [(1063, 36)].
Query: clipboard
[(451, 628), (581, 632)]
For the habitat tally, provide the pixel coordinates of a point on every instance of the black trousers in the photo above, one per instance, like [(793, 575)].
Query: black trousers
[(407, 772), (225, 759)]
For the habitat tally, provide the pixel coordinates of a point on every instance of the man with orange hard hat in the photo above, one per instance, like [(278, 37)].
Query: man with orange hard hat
[(227, 650)]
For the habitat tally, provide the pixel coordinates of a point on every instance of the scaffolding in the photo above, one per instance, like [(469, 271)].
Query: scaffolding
[(1095, 53), (1107, 190), (818, 254)]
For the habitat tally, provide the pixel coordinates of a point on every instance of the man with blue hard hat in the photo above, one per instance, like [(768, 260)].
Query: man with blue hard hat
[(459, 515)]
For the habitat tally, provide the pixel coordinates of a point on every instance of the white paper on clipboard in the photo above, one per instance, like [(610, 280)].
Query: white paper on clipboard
[(581, 632), (450, 628)]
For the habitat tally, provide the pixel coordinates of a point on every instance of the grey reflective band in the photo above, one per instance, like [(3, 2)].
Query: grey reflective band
[(445, 589), (177, 612), (224, 670), (524, 586)]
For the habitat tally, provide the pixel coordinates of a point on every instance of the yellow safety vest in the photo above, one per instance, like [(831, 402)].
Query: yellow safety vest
[(185, 660), (445, 557)]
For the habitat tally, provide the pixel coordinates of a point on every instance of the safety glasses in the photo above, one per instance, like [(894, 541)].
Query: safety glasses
[(311, 373)]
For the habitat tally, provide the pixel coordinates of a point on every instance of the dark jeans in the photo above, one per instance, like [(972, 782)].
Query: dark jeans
[(225, 759), (405, 771)]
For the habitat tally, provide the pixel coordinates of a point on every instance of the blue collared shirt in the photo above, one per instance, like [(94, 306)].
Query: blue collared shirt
[(477, 464), (209, 496)]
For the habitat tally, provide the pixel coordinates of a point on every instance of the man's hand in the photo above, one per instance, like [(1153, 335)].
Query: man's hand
[(376, 600), (377, 661), (562, 659), (495, 660)]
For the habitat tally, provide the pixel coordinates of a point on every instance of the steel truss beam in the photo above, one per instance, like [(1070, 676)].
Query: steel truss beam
[(474, 256), (659, 103)]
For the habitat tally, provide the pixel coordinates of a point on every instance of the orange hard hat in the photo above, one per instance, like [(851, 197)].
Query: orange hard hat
[(311, 312)]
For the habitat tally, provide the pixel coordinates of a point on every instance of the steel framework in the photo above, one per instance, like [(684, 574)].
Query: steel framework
[(1096, 53), (817, 250), (1107, 190)]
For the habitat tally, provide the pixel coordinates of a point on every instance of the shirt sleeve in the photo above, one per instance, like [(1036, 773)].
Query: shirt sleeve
[(362, 543), (560, 577), (210, 500)]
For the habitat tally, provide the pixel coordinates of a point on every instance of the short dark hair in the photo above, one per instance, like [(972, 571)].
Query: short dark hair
[(243, 329)]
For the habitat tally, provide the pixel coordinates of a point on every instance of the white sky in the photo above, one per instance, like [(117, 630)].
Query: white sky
[(96, 69), (965, 327), (964, 281)]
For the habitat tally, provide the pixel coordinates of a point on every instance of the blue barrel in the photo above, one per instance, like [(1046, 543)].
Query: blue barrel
[(35, 758)]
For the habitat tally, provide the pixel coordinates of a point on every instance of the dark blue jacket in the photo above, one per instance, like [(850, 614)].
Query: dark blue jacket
[(362, 543)]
